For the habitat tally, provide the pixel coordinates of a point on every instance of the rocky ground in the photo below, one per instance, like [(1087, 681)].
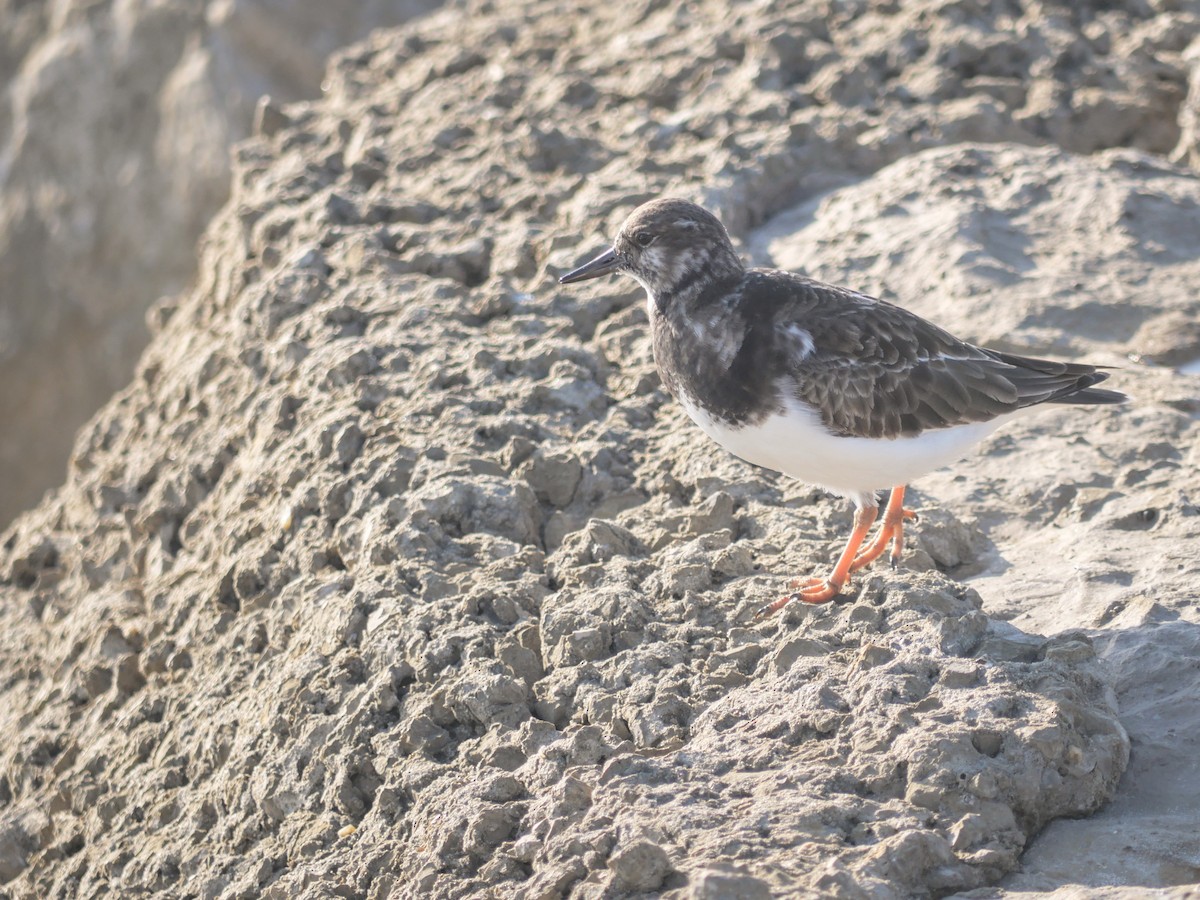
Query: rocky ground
[(394, 572)]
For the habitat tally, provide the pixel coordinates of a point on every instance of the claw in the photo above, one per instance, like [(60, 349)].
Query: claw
[(815, 591)]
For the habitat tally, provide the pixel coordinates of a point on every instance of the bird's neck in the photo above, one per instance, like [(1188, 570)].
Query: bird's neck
[(695, 284)]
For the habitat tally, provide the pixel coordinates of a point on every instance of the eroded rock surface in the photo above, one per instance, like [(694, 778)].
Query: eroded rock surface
[(395, 570), (119, 118)]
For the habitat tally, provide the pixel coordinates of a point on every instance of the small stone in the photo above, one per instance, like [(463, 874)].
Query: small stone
[(553, 477), (983, 785), (490, 827), (715, 514), (1005, 643), (503, 788), (961, 675), (581, 646), (1072, 649), (526, 848), (734, 561), (641, 866)]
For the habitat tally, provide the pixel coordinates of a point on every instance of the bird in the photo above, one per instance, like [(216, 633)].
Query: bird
[(822, 383)]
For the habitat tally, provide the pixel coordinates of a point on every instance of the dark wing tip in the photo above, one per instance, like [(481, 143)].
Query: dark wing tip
[(1090, 396)]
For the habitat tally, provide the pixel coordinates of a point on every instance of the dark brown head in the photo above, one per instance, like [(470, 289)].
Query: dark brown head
[(673, 247)]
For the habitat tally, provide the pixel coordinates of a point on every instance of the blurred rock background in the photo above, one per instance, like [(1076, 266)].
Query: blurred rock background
[(116, 123)]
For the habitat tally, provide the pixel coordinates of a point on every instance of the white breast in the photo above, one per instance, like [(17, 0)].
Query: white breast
[(795, 443)]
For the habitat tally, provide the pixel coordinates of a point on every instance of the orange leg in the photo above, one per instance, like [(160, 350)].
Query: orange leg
[(891, 530), (820, 590)]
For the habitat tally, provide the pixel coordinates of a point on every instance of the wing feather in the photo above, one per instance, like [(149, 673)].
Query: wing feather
[(873, 369)]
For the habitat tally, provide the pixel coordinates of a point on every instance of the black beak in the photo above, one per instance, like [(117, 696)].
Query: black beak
[(603, 264)]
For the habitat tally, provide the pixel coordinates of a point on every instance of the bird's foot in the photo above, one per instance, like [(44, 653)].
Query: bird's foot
[(891, 531), (804, 590), (822, 590)]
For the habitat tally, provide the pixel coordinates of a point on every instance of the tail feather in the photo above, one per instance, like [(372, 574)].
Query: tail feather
[(1049, 381)]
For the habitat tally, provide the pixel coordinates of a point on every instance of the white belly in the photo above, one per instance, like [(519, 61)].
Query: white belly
[(797, 444)]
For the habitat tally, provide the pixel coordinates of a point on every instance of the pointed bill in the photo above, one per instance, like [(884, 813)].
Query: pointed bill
[(603, 264)]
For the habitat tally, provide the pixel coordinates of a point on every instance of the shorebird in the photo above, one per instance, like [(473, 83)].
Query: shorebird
[(822, 383)]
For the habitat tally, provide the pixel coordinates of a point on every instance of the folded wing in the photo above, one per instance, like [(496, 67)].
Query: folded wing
[(875, 370)]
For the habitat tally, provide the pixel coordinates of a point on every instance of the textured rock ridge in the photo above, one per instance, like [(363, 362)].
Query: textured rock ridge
[(394, 572)]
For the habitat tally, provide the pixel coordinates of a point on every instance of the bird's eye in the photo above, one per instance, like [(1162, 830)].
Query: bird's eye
[(643, 238)]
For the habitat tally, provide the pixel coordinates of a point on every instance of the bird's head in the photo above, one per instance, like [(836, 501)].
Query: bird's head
[(671, 246)]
